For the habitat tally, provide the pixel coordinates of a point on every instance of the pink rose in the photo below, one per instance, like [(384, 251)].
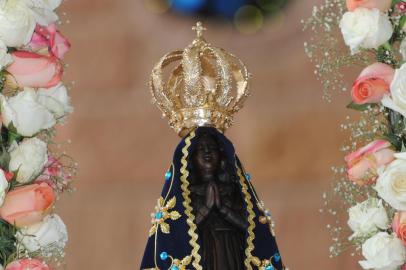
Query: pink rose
[(382, 5), (401, 7), (28, 264), (372, 84), (51, 39), (34, 70), (399, 226), (362, 164), (27, 205), (38, 40)]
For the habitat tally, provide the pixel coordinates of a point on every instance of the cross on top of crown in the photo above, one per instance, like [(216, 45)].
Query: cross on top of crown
[(199, 28)]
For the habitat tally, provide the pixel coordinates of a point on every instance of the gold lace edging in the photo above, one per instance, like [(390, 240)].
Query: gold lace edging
[(186, 203), (251, 217)]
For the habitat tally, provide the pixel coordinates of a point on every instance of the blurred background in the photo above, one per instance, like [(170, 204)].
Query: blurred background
[(287, 136)]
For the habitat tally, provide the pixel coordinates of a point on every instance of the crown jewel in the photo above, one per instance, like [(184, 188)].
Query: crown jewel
[(206, 87)]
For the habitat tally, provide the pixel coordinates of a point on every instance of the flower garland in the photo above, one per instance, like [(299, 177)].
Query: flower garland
[(34, 170), (371, 187)]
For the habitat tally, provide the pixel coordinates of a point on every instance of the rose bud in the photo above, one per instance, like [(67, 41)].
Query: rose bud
[(363, 164), (399, 225), (401, 7), (28, 264), (50, 39), (27, 205), (372, 84), (382, 5), (34, 70)]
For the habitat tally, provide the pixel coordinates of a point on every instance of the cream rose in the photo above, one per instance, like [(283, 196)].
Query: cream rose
[(402, 49), (391, 183), (48, 236), (44, 10), (56, 100), (26, 113), (397, 98), (367, 217), (17, 23), (3, 187), (383, 252), (365, 28), (5, 57), (28, 159)]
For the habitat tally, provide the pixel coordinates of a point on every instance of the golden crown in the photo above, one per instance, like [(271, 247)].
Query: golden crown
[(206, 87)]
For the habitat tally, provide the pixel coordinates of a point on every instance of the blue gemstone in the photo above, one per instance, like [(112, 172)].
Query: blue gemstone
[(248, 176), (168, 175), (269, 267), (163, 256), (277, 257), (158, 215), (174, 267)]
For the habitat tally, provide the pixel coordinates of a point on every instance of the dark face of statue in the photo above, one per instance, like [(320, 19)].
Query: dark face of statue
[(206, 156)]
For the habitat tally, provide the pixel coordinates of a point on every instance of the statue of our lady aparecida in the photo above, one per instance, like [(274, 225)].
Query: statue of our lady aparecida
[(209, 216)]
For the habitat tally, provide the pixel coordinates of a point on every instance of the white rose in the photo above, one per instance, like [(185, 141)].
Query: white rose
[(402, 49), (383, 252), (365, 28), (28, 159), (44, 10), (391, 182), (56, 100), (17, 23), (48, 236), (26, 113), (367, 217), (3, 187), (397, 98), (5, 58)]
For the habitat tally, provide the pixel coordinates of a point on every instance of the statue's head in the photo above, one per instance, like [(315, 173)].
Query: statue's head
[(211, 153), (206, 155)]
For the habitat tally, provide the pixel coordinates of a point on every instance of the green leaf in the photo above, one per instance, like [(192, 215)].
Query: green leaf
[(4, 159), (12, 134), (386, 46), (7, 242), (14, 183), (2, 80), (11, 49), (394, 140), (385, 54), (402, 21), (396, 122), (360, 107), (394, 2)]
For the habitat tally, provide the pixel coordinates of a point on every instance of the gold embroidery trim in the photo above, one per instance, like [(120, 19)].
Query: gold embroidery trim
[(261, 207), (251, 217), (186, 203), (165, 209), (172, 168)]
